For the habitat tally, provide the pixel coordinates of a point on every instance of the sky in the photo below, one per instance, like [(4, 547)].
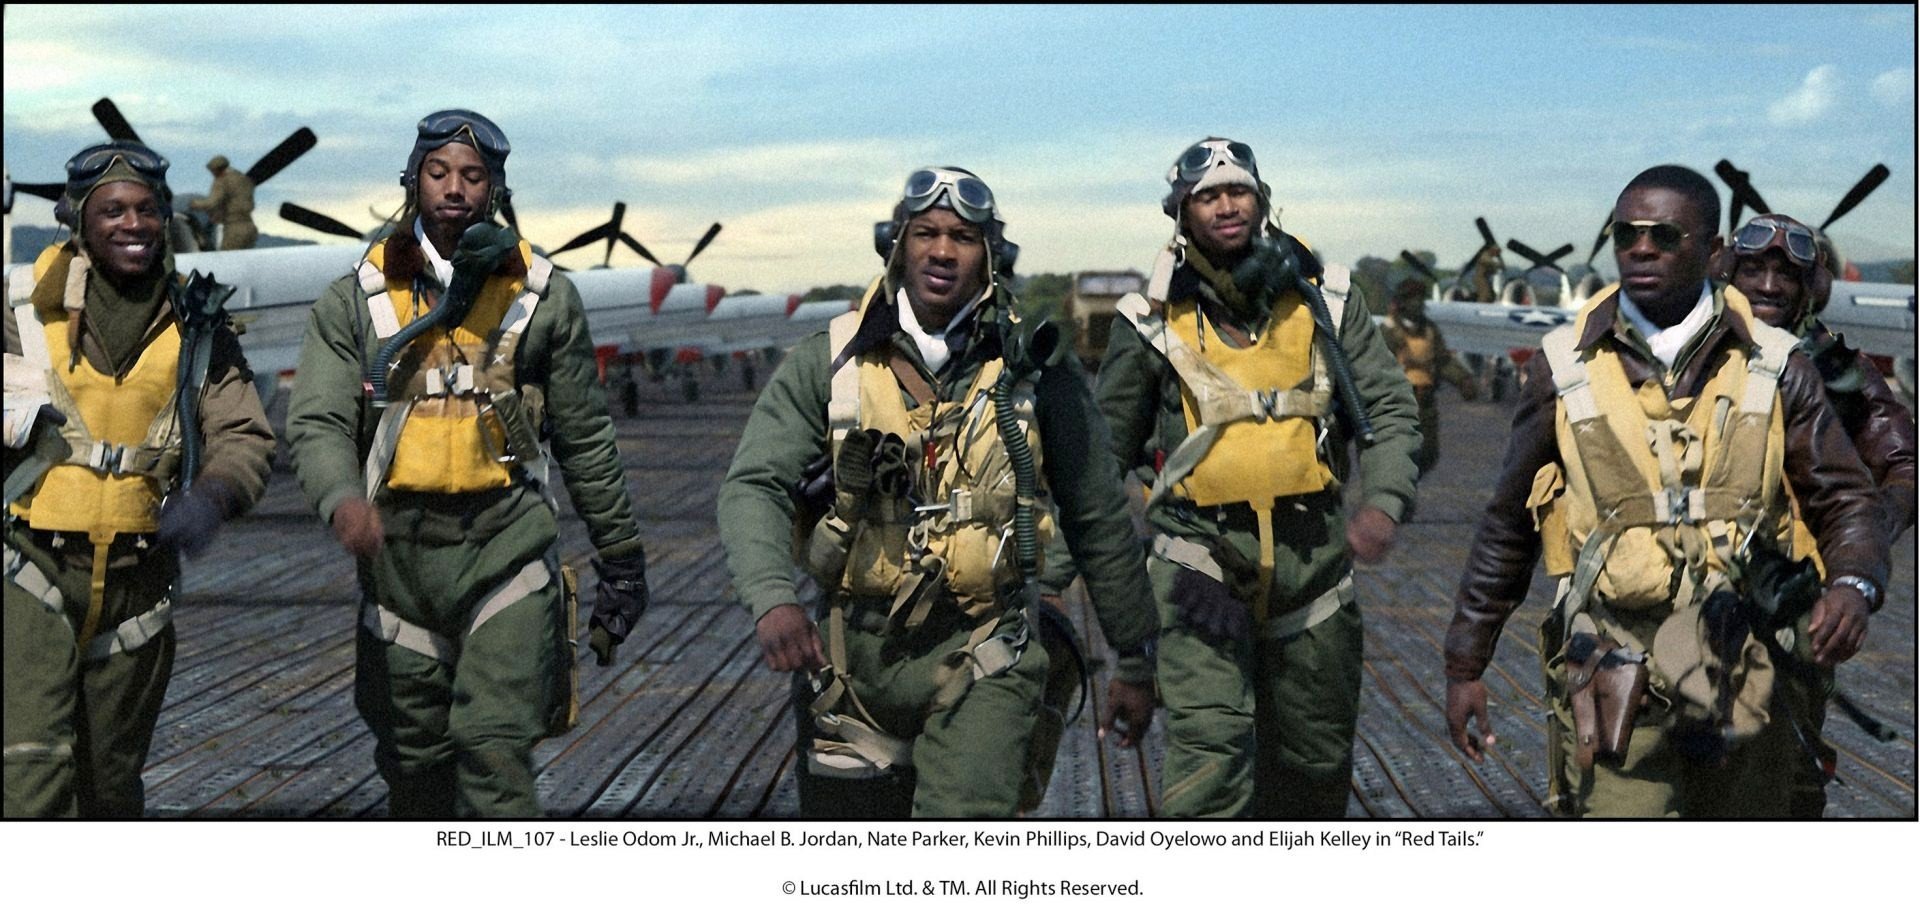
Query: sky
[(1379, 128)]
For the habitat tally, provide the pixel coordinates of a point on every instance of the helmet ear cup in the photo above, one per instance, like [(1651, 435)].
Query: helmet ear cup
[(885, 235), (1819, 286)]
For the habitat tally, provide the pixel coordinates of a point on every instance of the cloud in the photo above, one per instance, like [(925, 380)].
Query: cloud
[(1814, 98), (1894, 88)]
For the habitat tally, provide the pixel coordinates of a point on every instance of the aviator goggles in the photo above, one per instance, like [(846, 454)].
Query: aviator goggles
[(445, 126), (1203, 156), (1764, 232), (94, 161), (968, 195), (1666, 235)]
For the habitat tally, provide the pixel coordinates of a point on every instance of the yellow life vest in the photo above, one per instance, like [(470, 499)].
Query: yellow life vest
[(123, 432), (1416, 353), (443, 433), (962, 479), (1657, 498), (1253, 415)]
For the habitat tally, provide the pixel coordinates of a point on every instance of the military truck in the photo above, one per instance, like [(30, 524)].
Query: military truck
[(1090, 305)]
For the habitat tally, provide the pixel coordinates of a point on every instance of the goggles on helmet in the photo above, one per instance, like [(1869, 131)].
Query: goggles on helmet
[(1203, 156), (93, 161), (443, 127), (1767, 231), (966, 194)]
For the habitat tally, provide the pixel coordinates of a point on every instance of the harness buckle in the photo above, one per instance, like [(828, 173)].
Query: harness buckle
[(1680, 504), (1269, 402), (499, 454), (108, 458)]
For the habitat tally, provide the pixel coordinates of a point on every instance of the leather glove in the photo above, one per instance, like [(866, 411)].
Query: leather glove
[(188, 521), (618, 600), (1209, 608)]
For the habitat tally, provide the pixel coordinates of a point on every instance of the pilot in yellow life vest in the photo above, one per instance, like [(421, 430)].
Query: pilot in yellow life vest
[(439, 386), (1651, 466), (132, 431), (949, 426), (1237, 384), (1422, 352)]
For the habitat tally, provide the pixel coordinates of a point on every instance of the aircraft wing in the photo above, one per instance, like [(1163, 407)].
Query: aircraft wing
[(1494, 329), (1875, 317)]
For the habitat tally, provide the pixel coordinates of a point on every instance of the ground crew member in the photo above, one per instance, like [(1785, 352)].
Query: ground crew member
[(1651, 462), (133, 430), (1223, 383), (436, 386), (230, 204), (1777, 263), (1423, 354), (946, 419)]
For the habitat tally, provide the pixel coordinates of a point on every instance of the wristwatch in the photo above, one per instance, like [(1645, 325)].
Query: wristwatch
[(1866, 588)]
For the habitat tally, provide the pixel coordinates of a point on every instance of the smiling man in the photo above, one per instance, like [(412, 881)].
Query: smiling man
[(121, 456), (437, 385), (1651, 465), (918, 444), (1777, 262), (1221, 389)]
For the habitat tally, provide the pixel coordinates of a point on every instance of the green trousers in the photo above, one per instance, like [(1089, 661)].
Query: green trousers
[(970, 760), (463, 652), (79, 721), (1658, 779), (1261, 728)]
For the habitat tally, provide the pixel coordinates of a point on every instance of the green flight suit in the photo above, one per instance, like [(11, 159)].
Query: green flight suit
[(463, 646), (1262, 727), (80, 718), (970, 758)]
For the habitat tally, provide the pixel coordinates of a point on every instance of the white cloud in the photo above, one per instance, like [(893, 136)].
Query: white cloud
[(1894, 88), (1814, 98)]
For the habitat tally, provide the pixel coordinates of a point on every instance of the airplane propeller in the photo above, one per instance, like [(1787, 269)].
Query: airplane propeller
[(1875, 176), (1599, 241), (43, 191), (295, 145), (1547, 261), (1743, 193), (307, 218), (110, 120), (611, 233), (1420, 266)]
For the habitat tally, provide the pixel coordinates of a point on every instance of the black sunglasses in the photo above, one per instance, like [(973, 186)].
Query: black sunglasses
[(1666, 235)]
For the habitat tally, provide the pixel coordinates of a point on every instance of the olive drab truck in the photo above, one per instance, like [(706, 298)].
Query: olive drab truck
[(1090, 305)]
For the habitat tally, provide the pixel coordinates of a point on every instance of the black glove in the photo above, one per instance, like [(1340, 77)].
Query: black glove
[(1208, 607), (618, 600), (188, 521)]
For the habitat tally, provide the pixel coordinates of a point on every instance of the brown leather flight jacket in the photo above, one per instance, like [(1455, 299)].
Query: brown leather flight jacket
[(1879, 424), (1824, 470)]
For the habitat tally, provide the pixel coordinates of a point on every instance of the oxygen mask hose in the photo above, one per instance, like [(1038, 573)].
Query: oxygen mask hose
[(481, 249), (1337, 361), (1036, 344)]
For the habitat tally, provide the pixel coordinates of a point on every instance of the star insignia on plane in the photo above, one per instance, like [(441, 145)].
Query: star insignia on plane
[(1534, 317)]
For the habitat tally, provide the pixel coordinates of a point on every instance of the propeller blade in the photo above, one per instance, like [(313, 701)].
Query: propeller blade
[(43, 191), (1553, 259), (1486, 233), (1743, 192), (281, 156), (307, 218), (613, 230), (640, 249), (1875, 177), (582, 240), (110, 120), (705, 240), (1420, 267), (1599, 241), (1513, 244)]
